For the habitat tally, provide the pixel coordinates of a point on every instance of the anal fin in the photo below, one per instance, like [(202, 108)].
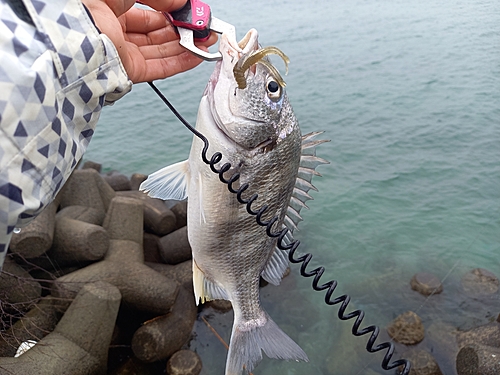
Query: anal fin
[(204, 289)]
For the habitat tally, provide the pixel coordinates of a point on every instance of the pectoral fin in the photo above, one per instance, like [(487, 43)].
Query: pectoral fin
[(204, 289), (169, 182)]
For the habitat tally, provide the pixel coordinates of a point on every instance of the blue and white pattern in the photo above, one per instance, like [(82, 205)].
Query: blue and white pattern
[(55, 77)]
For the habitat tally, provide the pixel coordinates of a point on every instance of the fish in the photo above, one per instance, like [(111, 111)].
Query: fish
[(245, 115)]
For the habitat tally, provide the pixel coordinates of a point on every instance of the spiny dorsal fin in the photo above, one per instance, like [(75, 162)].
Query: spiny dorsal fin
[(307, 169)]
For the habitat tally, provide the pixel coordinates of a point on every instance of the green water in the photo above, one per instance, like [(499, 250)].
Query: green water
[(408, 92)]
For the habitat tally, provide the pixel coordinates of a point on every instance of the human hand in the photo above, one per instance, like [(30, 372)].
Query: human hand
[(146, 42)]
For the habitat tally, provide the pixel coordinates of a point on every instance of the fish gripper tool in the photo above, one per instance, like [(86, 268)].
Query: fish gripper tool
[(329, 286)]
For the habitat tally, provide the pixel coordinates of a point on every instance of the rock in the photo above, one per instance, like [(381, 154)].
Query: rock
[(480, 282), (478, 360), (18, 290), (488, 334), (150, 342), (92, 165), (132, 366), (180, 211), (158, 219), (86, 214), (136, 180), (123, 265), (422, 363), (86, 187), (140, 286), (184, 362), (77, 241), (117, 181), (220, 305), (124, 219), (175, 248), (36, 238), (79, 343), (181, 272), (407, 329), (34, 325), (151, 244), (426, 284)]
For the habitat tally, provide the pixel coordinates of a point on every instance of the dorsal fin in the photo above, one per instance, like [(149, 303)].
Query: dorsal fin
[(278, 263)]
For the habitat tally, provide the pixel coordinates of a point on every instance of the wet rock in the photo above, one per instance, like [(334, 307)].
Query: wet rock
[(426, 284), (422, 363), (136, 180), (86, 187), (184, 362), (36, 238), (79, 343), (150, 342), (36, 324), (488, 334), (117, 181), (92, 165), (175, 248), (86, 214), (18, 290), (151, 244), (180, 211), (407, 329), (480, 282), (220, 305), (478, 359), (158, 219), (76, 241)]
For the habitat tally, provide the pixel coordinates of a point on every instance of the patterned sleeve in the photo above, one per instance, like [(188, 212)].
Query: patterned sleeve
[(56, 74)]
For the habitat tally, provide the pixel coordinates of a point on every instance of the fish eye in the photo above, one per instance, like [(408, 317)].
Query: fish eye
[(273, 88)]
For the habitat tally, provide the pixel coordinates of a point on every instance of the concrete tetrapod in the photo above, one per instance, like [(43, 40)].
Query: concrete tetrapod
[(79, 343), (123, 265)]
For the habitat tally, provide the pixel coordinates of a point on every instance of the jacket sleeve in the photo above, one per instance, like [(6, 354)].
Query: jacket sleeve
[(56, 74)]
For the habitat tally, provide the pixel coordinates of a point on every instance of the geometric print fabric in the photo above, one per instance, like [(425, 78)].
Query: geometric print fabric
[(56, 74)]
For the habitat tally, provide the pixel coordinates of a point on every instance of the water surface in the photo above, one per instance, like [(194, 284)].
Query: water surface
[(408, 92)]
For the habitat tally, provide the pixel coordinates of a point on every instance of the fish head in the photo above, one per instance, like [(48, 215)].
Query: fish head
[(247, 94)]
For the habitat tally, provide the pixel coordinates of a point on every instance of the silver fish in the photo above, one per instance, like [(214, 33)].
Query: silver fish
[(246, 115)]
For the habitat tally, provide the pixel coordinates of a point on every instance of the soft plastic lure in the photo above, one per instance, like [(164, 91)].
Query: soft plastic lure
[(258, 56)]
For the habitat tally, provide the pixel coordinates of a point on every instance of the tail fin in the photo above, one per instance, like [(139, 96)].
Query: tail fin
[(246, 345)]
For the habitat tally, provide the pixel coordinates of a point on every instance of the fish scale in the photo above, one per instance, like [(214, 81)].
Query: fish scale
[(257, 132)]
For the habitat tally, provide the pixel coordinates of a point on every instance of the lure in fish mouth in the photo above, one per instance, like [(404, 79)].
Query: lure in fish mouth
[(246, 116), (258, 56), (252, 89)]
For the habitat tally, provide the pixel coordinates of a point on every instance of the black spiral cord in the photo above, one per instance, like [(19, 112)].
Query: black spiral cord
[(292, 247)]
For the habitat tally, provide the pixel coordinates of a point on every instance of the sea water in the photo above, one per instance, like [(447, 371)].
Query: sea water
[(408, 92)]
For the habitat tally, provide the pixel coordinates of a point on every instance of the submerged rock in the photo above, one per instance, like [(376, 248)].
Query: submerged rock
[(407, 329), (478, 359), (184, 362), (426, 284), (480, 282), (422, 363)]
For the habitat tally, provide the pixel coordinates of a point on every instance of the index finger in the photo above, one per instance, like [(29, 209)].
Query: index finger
[(165, 5)]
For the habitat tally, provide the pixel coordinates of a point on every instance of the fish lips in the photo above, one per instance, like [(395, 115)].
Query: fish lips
[(222, 86)]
